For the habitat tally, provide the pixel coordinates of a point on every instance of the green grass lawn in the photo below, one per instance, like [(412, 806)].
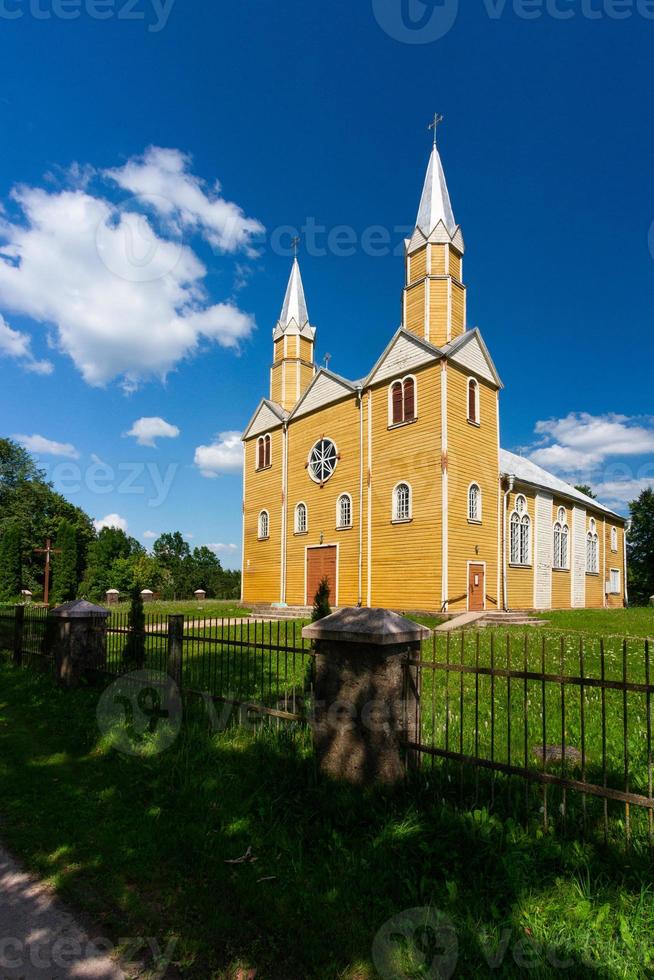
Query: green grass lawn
[(191, 609), (637, 621), (141, 844)]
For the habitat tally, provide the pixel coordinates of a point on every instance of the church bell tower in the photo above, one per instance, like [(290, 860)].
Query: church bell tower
[(434, 297), (293, 342)]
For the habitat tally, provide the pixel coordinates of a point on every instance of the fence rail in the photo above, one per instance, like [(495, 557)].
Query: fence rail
[(553, 727)]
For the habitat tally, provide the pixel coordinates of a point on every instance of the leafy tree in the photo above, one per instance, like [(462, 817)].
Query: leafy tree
[(585, 488), (135, 646), (104, 562), (65, 565), (640, 548), (321, 607), (172, 553), (11, 562)]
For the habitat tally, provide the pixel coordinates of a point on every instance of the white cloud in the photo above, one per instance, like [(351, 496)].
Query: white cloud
[(218, 548), (127, 301), (150, 535), (47, 447), (223, 455), (617, 493), (580, 441), (111, 520), (18, 345), (188, 535), (162, 178), (147, 430)]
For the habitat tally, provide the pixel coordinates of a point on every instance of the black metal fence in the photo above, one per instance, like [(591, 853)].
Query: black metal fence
[(554, 727), (543, 726)]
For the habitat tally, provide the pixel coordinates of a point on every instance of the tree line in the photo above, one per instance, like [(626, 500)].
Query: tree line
[(89, 562)]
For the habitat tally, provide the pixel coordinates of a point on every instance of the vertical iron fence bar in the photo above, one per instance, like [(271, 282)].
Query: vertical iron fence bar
[(508, 711), (432, 677), (582, 716), (564, 761), (461, 709), (525, 722), (604, 777), (19, 626), (447, 700), (477, 653), (544, 723), (625, 741), (492, 752), (648, 711)]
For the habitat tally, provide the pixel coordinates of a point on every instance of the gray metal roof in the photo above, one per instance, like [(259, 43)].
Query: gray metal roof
[(528, 472), (435, 204), (295, 304)]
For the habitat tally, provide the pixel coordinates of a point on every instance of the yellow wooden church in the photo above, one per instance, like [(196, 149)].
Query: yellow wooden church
[(395, 486)]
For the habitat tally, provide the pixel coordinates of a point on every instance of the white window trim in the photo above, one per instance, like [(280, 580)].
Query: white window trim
[(521, 521), (395, 518), (592, 537), (312, 477), (480, 507), (476, 421), (614, 541), (618, 572), (339, 526), (260, 439), (395, 381), (564, 566), (260, 536), (299, 504)]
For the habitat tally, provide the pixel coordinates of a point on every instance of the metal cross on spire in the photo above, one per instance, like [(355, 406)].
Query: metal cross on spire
[(435, 123), (48, 551), (295, 241)]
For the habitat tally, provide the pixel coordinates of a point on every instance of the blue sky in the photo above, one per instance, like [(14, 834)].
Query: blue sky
[(313, 114)]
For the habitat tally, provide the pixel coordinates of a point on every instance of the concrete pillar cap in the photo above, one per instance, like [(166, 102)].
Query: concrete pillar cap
[(78, 609), (379, 627)]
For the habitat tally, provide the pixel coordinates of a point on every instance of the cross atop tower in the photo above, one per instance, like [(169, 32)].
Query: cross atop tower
[(435, 123), (295, 241)]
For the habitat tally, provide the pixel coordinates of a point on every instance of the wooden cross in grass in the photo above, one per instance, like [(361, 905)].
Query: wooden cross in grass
[(48, 551)]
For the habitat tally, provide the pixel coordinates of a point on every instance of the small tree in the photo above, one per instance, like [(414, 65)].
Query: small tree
[(65, 566), (11, 562), (135, 647), (321, 607), (588, 490), (640, 548)]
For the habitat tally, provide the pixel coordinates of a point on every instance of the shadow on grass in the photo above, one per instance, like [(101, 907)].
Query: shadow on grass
[(147, 845)]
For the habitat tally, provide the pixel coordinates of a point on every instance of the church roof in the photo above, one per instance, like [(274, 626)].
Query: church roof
[(435, 204), (528, 472)]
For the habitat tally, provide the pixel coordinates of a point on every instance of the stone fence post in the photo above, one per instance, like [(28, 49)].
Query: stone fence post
[(175, 648), (78, 632), (367, 701)]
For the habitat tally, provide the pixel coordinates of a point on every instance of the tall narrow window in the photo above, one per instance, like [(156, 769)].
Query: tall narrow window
[(301, 519), (264, 452), (520, 524), (561, 535), (344, 511), (614, 584), (264, 525), (614, 539), (592, 549), (402, 502), (409, 387), (474, 503), (402, 401), (473, 401)]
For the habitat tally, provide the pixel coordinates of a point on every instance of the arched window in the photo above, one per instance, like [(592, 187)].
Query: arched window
[(520, 525), (264, 525), (344, 511), (301, 523), (264, 452), (474, 503), (402, 401), (561, 534), (402, 502), (592, 549), (614, 539), (473, 401)]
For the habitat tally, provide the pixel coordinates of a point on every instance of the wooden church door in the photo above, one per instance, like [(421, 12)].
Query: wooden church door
[(321, 563), (476, 587)]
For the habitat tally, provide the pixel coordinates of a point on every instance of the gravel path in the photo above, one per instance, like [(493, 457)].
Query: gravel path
[(39, 938)]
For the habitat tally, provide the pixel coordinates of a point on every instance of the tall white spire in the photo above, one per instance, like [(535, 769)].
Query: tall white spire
[(435, 204), (295, 305)]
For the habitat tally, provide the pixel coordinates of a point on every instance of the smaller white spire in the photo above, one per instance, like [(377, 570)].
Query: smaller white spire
[(295, 305), (435, 204)]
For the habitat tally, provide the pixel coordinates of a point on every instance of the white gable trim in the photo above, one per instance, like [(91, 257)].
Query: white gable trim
[(472, 354), (323, 390), (264, 418), (404, 353)]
